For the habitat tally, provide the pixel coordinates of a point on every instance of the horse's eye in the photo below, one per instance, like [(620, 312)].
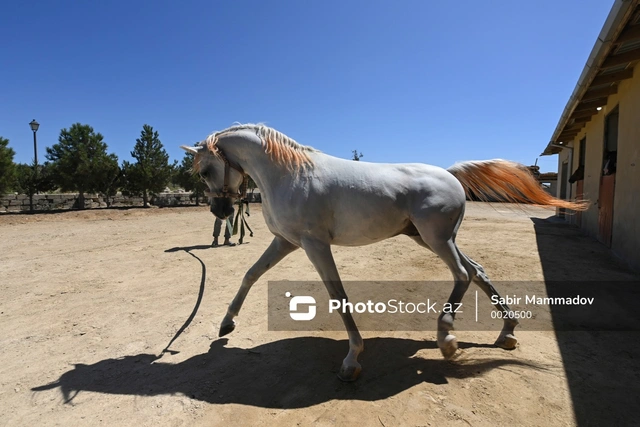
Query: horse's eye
[(204, 174)]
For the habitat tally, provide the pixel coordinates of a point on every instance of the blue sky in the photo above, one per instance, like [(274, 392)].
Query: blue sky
[(401, 81)]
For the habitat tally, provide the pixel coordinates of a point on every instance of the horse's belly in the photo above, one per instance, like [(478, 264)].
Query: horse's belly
[(359, 230), (359, 240)]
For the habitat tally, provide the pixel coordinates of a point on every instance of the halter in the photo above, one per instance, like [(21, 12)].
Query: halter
[(242, 190)]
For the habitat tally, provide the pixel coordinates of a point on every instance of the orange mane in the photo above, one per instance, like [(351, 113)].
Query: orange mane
[(280, 148)]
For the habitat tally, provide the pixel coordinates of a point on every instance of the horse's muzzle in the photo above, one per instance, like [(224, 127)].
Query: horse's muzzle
[(222, 207)]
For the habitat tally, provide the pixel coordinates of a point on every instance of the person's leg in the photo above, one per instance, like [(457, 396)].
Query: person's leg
[(227, 234), (216, 231)]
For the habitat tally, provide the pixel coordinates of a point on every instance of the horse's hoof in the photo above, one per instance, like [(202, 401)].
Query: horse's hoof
[(508, 341), (226, 328), (448, 346), (349, 373)]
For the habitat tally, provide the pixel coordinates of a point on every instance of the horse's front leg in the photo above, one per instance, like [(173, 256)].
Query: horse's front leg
[(320, 255), (277, 250)]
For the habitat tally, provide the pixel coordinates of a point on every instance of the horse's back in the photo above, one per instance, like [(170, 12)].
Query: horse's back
[(357, 203), (406, 185)]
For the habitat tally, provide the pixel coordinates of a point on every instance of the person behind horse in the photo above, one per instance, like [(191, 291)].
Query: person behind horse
[(216, 233)]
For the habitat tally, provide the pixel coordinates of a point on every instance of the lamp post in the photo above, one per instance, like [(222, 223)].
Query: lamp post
[(34, 127)]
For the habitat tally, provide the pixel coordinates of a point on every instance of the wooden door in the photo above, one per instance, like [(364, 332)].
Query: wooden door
[(608, 182)]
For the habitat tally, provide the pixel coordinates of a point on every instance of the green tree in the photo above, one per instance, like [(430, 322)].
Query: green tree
[(185, 178), (79, 160), (152, 172), (7, 167), (28, 182), (356, 156), (109, 178)]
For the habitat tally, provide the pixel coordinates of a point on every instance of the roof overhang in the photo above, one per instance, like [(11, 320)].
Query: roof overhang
[(611, 60)]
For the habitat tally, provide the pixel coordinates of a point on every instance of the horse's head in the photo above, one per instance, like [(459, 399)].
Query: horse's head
[(224, 178)]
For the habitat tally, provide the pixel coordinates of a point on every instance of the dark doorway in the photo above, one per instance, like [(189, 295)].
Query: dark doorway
[(582, 154)]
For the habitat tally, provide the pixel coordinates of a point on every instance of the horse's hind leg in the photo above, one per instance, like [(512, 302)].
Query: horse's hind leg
[(448, 252), (506, 339), (277, 250)]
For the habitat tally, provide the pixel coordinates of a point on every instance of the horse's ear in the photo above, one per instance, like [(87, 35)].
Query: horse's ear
[(190, 149)]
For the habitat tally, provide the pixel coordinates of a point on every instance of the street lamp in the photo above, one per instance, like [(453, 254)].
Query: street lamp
[(34, 127)]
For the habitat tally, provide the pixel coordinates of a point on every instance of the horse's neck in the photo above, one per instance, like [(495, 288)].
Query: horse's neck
[(252, 158)]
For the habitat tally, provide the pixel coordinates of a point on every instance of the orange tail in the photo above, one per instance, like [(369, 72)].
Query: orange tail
[(502, 180)]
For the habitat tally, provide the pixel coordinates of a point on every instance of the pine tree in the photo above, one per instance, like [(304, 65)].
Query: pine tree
[(109, 178), (80, 161), (7, 167), (151, 172), (28, 182), (185, 178)]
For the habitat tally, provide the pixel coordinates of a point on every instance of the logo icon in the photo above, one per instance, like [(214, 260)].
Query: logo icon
[(301, 300)]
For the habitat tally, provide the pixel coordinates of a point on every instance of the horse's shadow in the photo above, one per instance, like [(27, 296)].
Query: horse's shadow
[(289, 373)]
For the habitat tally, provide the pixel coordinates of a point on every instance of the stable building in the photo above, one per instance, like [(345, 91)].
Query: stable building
[(597, 138)]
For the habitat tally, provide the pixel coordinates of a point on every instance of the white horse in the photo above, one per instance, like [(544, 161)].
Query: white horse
[(311, 200)]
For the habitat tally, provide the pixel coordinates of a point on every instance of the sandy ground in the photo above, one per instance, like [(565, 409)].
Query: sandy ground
[(90, 299)]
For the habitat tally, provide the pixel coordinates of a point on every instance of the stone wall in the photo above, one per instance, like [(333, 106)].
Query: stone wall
[(67, 201)]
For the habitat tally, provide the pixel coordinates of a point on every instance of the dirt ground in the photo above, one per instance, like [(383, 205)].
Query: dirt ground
[(90, 299)]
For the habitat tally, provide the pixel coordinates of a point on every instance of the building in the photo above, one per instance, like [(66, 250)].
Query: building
[(597, 138), (549, 181)]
